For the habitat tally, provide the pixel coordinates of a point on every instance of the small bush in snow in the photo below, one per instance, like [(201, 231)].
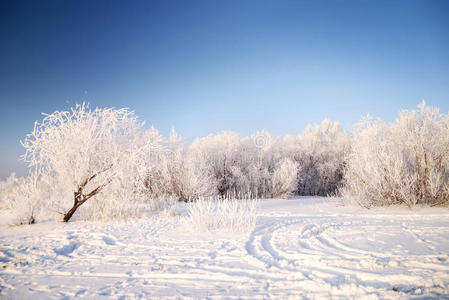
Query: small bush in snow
[(231, 215), (7, 189), (25, 197)]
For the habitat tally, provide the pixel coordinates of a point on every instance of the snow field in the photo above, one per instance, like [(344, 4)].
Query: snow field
[(299, 248)]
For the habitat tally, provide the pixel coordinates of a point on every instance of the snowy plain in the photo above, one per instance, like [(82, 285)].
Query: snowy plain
[(306, 247)]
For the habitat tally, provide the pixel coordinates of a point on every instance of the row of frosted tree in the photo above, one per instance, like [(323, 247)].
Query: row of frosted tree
[(103, 163)]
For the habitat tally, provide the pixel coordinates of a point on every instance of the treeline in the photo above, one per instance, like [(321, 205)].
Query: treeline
[(107, 155)]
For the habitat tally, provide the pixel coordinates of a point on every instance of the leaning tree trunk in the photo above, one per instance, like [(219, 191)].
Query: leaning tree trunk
[(80, 198)]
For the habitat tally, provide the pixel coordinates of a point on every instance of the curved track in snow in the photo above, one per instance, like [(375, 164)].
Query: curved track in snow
[(365, 255)]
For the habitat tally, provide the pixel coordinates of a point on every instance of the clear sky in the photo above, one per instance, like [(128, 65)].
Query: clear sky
[(209, 66)]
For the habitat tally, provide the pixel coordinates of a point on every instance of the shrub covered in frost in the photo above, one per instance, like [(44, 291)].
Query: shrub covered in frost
[(23, 196), (405, 162), (231, 215)]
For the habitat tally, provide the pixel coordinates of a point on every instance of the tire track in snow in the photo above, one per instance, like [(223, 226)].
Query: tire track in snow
[(319, 255)]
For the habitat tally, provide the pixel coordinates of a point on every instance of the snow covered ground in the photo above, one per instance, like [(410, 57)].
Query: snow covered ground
[(304, 247)]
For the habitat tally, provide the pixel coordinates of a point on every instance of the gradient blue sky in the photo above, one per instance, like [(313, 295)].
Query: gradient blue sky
[(209, 66)]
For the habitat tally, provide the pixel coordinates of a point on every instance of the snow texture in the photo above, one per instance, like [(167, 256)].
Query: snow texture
[(299, 248)]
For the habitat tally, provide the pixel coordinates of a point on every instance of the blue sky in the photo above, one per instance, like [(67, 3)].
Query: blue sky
[(209, 66)]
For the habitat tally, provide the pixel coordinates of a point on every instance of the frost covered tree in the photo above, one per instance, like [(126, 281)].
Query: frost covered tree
[(274, 173), (246, 166), (320, 152), (185, 175), (222, 156), (405, 162), (84, 152), (284, 179)]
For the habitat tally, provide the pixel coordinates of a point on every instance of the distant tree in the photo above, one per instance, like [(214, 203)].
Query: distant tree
[(320, 152), (185, 175), (247, 166), (284, 178), (222, 156)]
